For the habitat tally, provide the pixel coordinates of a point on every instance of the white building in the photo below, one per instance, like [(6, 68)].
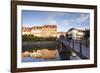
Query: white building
[(75, 33)]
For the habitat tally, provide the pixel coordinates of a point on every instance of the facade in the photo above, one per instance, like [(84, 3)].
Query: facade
[(49, 31), (26, 30), (75, 33), (36, 31), (59, 34), (41, 31)]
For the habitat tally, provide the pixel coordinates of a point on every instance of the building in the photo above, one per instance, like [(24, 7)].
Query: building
[(75, 33), (49, 31), (59, 34), (41, 31), (26, 30), (36, 31)]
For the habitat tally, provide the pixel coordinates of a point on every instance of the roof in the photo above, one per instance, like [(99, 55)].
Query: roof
[(50, 26), (26, 29), (75, 29)]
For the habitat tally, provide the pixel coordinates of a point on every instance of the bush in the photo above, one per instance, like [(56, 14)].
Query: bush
[(35, 38)]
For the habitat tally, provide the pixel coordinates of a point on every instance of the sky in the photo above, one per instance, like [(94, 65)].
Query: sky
[(63, 20)]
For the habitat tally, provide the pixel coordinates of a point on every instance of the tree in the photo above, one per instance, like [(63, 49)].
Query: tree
[(87, 34)]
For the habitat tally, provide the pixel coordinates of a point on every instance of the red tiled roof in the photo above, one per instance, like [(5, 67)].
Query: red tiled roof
[(50, 26), (26, 29)]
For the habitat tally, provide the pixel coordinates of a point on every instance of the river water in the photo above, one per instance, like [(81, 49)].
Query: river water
[(38, 45)]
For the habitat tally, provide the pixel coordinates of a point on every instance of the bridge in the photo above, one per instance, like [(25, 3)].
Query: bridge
[(75, 47)]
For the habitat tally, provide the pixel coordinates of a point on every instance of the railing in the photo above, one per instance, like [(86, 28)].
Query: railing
[(64, 51), (80, 47)]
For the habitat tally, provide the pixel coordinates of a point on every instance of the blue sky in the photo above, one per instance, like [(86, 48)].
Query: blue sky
[(63, 20)]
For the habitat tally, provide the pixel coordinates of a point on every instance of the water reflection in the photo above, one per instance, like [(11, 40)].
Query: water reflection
[(36, 51)]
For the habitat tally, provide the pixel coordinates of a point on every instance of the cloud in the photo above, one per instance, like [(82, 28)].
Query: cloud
[(65, 22), (79, 19), (82, 18), (73, 22), (53, 16)]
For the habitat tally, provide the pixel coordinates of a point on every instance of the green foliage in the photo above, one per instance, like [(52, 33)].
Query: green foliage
[(35, 38)]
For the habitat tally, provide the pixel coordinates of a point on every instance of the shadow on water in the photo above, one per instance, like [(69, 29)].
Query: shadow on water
[(38, 45)]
